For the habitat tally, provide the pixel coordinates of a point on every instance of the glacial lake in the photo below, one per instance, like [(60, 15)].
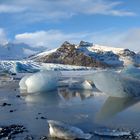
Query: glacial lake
[(86, 109)]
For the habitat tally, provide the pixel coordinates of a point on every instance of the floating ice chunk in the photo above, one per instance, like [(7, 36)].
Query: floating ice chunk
[(40, 82), (84, 85), (112, 132), (131, 71), (116, 85), (65, 131)]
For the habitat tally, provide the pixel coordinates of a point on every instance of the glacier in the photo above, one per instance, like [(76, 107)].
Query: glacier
[(40, 82), (116, 84), (29, 66)]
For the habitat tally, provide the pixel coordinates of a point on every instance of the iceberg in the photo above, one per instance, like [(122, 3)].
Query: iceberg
[(83, 86), (40, 82), (116, 85), (131, 71), (64, 131), (22, 84)]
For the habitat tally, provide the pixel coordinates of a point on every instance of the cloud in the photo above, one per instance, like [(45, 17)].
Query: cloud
[(45, 10), (125, 39), (49, 39), (10, 9), (130, 39), (3, 37), (54, 38)]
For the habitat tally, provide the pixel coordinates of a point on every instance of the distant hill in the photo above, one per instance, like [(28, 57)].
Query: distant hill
[(17, 51), (88, 54)]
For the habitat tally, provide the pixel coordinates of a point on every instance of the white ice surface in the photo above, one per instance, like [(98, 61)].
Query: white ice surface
[(84, 85), (40, 82), (116, 85)]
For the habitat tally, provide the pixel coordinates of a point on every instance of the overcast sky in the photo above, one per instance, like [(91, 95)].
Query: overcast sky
[(51, 22)]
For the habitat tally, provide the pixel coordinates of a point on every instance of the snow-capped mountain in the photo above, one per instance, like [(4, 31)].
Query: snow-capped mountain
[(88, 54), (14, 51), (69, 54)]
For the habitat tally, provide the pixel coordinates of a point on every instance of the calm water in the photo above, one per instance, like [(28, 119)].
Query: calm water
[(82, 109)]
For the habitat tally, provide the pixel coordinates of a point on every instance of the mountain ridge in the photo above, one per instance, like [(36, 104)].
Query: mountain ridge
[(89, 54)]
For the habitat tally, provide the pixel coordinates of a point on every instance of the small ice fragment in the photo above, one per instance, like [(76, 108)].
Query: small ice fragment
[(84, 85), (65, 131), (111, 132)]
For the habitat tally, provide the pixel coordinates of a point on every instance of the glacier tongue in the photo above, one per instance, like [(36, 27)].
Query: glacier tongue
[(117, 85)]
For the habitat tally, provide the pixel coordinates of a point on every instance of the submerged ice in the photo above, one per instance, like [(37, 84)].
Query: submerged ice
[(39, 82)]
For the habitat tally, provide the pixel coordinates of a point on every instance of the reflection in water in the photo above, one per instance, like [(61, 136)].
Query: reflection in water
[(114, 105), (67, 94), (55, 97), (49, 98)]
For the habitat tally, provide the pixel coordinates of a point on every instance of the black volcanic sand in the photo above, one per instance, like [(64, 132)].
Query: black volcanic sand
[(24, 117)]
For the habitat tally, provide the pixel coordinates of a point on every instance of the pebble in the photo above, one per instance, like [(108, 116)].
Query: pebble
[(44, 138), (8, 132), (5, 104), (43, 118), (18, 96), (12, 110)]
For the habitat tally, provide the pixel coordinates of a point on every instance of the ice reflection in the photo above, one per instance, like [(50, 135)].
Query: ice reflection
[(67, 94), (114, 105), (56, 97), (49, 98)]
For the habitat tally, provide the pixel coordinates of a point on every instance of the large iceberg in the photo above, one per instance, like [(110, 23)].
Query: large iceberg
[(116, 85), (131, 71), (39, 82), (22, 83)]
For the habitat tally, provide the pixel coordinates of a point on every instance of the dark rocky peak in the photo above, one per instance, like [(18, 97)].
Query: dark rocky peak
[(127, 52), (67, 47), (85, 44), (66, 43)]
